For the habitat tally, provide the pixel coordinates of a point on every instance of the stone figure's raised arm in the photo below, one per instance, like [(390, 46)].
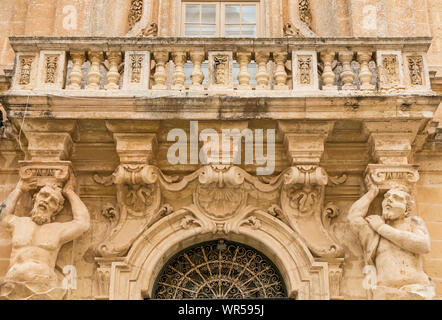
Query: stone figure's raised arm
[(417, 242), (359, 209), (7, 208), (81, 219)]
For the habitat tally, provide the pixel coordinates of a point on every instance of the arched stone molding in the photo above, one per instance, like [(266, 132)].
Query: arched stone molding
[(134, 277)]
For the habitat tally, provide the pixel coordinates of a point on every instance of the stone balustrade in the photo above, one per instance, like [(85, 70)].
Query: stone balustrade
[(214, 65)]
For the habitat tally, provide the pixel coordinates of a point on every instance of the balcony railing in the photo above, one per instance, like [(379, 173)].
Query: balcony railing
[(214, 65)]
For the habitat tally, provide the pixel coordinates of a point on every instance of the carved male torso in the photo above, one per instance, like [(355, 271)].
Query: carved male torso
[(33, 253), (396, 266)]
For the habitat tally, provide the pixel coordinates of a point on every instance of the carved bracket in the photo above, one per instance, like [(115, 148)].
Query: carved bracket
[(302, 203)]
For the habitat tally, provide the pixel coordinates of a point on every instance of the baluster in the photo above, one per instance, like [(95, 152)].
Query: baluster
[(347, 75), (262, 77), (76, 76), (328, 76), (197, 75), (280, 74), (179, 77), (244, 59), (113, 76), (365, 74), (160, 76), (94, 75)]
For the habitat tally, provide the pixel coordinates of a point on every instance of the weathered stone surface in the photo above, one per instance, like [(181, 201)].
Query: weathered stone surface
[(96, 87)]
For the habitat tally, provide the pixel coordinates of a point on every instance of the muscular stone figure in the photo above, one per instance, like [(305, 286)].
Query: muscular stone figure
[(36, 240), (393, 243)]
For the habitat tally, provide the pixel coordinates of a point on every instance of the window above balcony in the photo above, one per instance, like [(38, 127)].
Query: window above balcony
[(232, 19)]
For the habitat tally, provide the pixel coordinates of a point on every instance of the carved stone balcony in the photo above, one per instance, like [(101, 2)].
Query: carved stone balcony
[(216, 66), (224, 77)]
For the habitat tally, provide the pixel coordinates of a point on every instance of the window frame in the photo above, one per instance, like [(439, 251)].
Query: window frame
[(220, 15)]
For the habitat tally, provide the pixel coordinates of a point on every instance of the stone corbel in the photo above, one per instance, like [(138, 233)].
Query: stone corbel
[(391, 146), (136, 180), (48, 141), (391, 142), (48, 150), (303, 193)]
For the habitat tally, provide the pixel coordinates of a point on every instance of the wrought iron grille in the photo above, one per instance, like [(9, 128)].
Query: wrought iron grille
[(219, 270)]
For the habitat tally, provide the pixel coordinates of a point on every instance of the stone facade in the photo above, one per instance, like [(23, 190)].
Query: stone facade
[(91, 92)]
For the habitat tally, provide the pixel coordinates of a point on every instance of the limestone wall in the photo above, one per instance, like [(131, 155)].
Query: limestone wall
[(357, 18)]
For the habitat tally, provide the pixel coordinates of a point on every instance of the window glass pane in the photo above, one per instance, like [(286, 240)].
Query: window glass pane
[(208, 30), (248, 31), (253, 69), (235, 72), (248, 14), (233, 31), (233, 14), (188, 69), (193, 13), (205, 70), (208, 14), (192, 30)]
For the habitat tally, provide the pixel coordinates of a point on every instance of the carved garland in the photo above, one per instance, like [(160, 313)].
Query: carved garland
[(305, 14), (135, 13), (219, 203)]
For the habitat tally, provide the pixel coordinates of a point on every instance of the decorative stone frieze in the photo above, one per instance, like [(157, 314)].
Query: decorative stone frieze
[(26, 74), (220, 70), (137, 66), (417, 76), (390, 66), (305, 70), (51, 70)]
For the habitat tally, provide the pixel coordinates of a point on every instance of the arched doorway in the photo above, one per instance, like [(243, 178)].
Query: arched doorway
[(219, 269)]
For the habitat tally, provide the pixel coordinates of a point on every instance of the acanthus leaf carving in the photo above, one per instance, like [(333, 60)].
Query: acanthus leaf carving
[(302, 203), (135, 13), (218, 203)]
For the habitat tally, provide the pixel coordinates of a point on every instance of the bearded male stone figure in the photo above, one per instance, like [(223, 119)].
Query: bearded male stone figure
[(36, 240), (393, 243)]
